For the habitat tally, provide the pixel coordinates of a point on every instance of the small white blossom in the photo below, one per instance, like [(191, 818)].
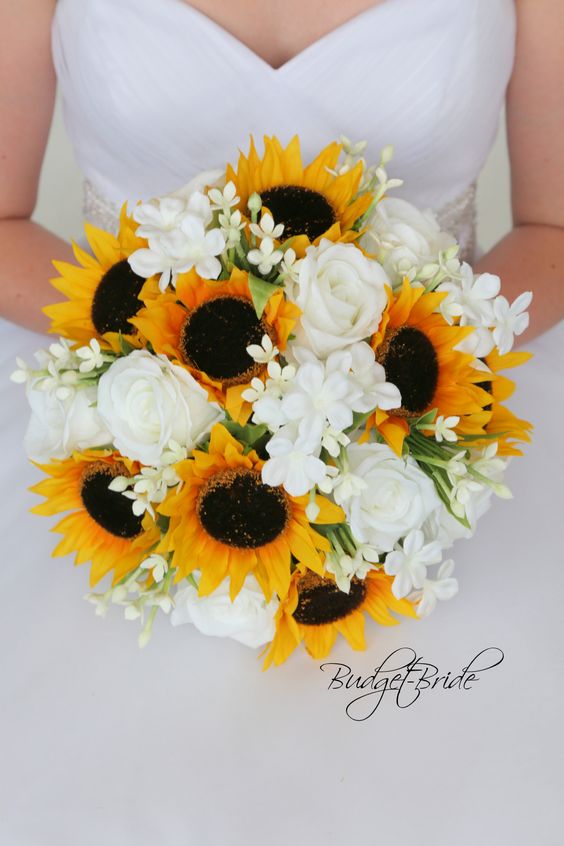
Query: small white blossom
[(478, 343), (443, 427), (442, 588), (456, 467), (346, 486), (223, 200), (281, 375), (369, 553), (289, 268), (231, 225), (91, 357), (141, 502), (291, 464), (266, 257), (267, 397), (62, 353), (266, 228), (346, 567), (409, 563), (173, 453), (23, 374), (267, 410), (510, 320), (492, 467), (180, 244), (322, 394), (255, 392), (462, 494), (100, 602), (332, 441), (370, 376), (119, 484), (470, 297), (264, 353), (331, 474), (157, 565)]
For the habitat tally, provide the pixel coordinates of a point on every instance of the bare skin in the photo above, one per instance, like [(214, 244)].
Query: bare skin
[(530, 257)]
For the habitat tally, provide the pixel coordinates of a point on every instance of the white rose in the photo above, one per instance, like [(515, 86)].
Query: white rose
[(342, 296), (398, 496), (58, 427), (207, 178), (248, 619), (146, 401), (403, 238)]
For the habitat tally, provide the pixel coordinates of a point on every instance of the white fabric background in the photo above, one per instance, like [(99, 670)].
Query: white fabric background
[(189, 743), (60, 194)]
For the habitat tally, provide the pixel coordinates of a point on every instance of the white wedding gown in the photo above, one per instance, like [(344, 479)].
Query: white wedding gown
[(188, 742)]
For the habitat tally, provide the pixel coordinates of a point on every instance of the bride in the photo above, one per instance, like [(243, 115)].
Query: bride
[(103, 744)]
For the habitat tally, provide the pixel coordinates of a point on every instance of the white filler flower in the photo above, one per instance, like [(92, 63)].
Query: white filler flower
[(408, 563), (249, 619), (444, 587), (179, 239), (145, 401), (292, 464)]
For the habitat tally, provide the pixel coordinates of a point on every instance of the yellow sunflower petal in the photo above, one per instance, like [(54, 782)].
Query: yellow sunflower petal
[(318, 640)]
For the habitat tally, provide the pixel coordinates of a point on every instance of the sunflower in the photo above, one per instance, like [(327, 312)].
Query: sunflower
[(207, 326), (315, 611), (416, 347), (101, 527), (225, 522), (311, 202), (502, 421), (103, 291)]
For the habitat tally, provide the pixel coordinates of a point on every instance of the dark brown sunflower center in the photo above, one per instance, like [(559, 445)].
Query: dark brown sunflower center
[(488, 387), (301, 210), (117, 299), (237, 509), (411, 363), (215, 337), (110, 509), (320, 600)]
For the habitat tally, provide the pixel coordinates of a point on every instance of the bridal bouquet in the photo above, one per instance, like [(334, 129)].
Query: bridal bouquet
[(276, 399)]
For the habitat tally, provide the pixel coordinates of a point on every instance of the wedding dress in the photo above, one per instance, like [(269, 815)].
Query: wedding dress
[(187, 742)]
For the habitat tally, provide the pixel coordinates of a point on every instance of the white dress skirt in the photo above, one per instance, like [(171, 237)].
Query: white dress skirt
[(187, 741)]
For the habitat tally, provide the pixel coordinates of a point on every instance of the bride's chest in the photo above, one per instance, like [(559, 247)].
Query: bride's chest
[(155, 86), (278, 33)]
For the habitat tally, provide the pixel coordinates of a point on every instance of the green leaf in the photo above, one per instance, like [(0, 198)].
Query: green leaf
[(163, 523), (261, 292), (249, 434), (493, 436), (426, 418), (124, 345)]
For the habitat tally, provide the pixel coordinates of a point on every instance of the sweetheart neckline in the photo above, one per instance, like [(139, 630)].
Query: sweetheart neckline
[(320, 42)]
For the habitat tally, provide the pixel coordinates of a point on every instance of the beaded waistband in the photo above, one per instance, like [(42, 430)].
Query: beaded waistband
[(457, 217)]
